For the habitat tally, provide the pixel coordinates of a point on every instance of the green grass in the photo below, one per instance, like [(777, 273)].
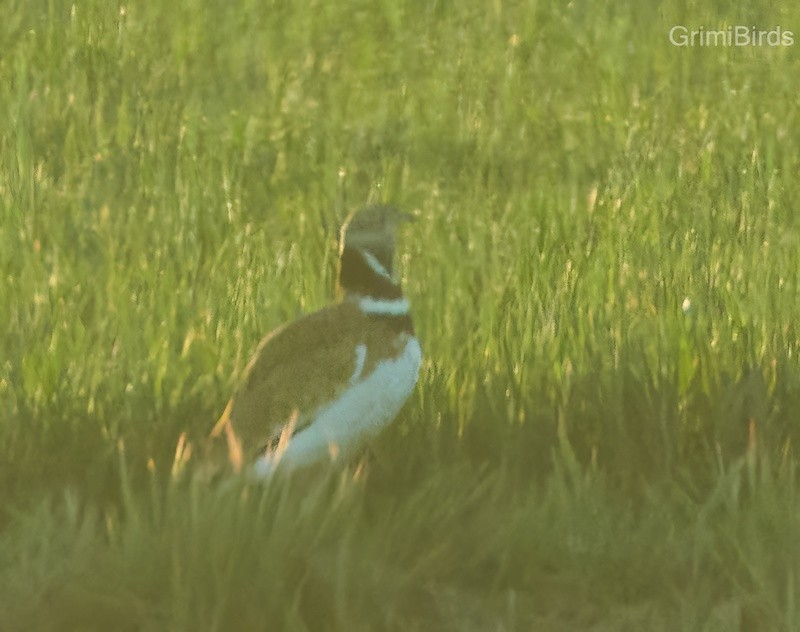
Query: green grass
[(605, 277)]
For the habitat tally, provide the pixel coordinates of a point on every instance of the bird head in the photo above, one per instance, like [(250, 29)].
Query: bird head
[(373, 230)]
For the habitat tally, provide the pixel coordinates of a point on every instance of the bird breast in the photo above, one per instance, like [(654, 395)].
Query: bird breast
[(370, 403)]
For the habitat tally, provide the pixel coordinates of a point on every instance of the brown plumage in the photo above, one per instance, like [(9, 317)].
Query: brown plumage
[(277, 382)]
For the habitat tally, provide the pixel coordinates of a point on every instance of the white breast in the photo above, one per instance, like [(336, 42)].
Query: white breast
[(359, 413)]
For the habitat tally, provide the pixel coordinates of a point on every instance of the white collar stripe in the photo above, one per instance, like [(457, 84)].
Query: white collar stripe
[(385, 307), (375, 265)]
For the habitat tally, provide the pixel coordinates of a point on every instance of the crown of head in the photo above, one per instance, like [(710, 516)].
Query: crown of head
[(373, 230)]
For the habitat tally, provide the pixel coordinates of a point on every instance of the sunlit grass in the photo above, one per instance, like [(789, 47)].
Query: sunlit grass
[(604, 277)]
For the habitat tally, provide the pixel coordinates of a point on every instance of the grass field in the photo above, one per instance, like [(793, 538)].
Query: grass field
[(604, 275)]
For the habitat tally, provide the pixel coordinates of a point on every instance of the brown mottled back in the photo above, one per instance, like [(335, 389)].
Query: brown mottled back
[(295, 370)]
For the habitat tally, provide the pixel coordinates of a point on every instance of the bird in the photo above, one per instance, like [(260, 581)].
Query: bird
[(322, 386)]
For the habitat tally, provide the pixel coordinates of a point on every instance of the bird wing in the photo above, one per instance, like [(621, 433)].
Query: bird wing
[(294, 370)]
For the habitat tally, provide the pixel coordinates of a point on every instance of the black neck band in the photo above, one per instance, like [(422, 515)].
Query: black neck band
[(356, 276)]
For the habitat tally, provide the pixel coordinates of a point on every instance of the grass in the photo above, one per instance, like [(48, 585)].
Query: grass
[(604, 278)]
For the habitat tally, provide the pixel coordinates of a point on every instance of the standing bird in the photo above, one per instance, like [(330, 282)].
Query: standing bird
[(321, 386)]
